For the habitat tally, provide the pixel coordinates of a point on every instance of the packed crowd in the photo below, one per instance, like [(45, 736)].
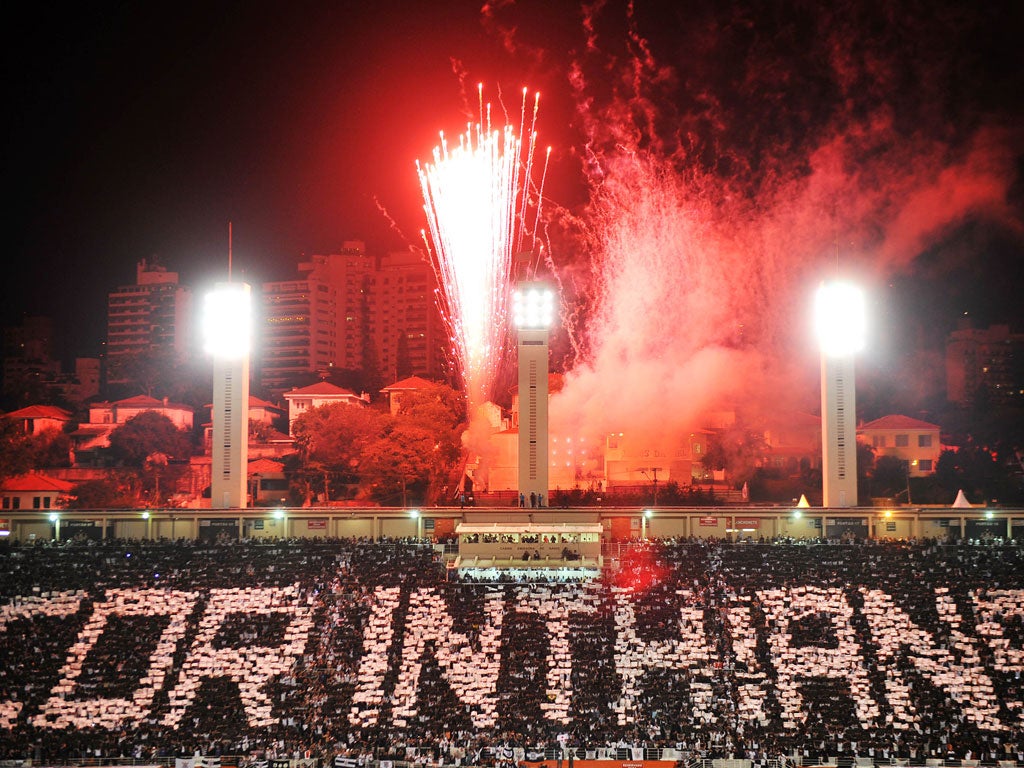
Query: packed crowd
[(691, 648)]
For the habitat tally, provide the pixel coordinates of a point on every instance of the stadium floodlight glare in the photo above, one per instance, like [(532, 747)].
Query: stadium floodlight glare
[(226, 321), (533, 307), (840, 324), (840, 319)]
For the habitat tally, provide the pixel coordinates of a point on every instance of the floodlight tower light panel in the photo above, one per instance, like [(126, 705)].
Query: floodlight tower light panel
[(226, 321), (840, 319), (533, 307)]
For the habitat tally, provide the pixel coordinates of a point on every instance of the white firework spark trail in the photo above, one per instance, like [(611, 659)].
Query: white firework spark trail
[(476, 195)]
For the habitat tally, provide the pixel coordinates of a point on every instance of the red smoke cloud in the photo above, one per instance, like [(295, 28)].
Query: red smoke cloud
[(718, 197)]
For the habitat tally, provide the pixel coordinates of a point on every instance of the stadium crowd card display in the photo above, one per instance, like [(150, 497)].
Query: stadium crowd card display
[(734, 648)]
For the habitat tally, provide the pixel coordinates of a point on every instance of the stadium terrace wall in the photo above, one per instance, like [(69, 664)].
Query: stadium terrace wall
[(620, 524), (711, 649)]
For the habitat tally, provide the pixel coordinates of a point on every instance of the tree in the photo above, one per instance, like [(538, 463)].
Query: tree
[(51, 448), (15, 450), (146, 434), (104, 493), (331, 440), (401, 462), (974, 469), (889, 477), (440, 411), (865, 469)]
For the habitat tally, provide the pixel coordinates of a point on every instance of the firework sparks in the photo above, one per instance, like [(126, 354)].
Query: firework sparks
[(476, 197)]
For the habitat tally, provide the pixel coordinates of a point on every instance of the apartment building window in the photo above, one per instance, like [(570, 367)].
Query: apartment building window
[(924, 465), (902, 441), (924, 441), (878, 441)]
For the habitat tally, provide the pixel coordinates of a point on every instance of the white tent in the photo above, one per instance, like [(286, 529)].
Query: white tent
[(803, 503), (961, 500)]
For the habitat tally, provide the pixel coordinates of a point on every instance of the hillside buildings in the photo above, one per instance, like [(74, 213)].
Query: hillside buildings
[(350, 311), (316, 322), (408, 335), (151, 316), (985, 363), (31, 364), (914, 442)]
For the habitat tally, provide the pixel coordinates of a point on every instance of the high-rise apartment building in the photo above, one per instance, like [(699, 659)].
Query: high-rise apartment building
[(985, 361), (349, 311), (316, 322), (153, 315), (405, 324)]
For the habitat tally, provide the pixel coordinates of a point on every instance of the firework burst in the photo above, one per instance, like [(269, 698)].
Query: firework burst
[(477, 196)]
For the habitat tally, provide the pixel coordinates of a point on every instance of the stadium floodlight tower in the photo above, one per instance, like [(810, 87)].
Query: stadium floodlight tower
[(840, 321), (227, 324), (533, 310)]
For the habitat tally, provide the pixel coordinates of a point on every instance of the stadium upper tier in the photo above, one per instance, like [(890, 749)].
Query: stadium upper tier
[(880, 649)]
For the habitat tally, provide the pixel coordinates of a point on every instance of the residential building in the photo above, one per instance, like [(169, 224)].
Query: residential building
[(34, 491), (792, 442), (90, 440), (316, 322), (395, 392), (34, 338), (349, 311), (303, 399), (408, 333), (986, 362), (265, 437), (152, 316), (914, 442), (32, 366), (37, 419)]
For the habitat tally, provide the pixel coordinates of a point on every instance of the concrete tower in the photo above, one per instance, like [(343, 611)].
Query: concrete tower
[(839, 311), (533, 306), (228, 329)]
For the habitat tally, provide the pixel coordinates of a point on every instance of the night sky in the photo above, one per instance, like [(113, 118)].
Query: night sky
[(139, 130)]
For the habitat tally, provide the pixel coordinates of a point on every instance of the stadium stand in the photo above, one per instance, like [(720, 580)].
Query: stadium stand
[(815, 653)]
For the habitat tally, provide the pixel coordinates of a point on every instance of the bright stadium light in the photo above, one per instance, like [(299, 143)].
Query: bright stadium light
[(227, 324), (840, 319), (533, 307), (840, 323), (226, 321)]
